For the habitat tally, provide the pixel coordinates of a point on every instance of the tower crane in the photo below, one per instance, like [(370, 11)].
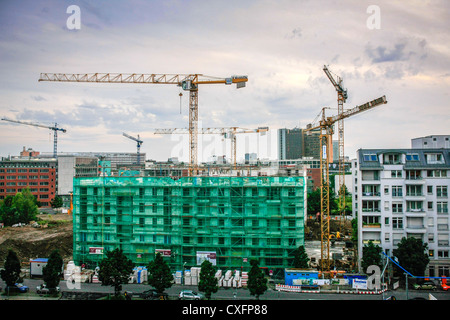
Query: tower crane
[(325, 124), (227, 132), (188, 82), (55, 129), (341, 98), (139, 142)]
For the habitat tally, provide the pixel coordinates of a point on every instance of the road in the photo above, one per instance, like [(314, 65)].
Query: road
[(243, 294)]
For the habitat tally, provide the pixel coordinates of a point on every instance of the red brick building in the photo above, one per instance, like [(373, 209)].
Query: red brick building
[(38, 174)]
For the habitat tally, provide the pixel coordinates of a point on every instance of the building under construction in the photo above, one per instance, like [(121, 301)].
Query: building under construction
[(228, 219)]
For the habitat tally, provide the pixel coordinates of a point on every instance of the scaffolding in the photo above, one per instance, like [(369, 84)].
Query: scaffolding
[(237, 218)]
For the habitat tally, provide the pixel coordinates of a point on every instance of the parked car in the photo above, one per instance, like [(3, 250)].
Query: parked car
[(152, 294), (427, 285), (43, 289), (190, 295), (17, 287)]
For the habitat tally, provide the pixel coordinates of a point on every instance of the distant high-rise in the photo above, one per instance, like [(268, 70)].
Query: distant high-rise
[(296, 144)]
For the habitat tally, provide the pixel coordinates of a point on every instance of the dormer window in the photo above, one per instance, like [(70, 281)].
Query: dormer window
[(435, 158), (391, 158), (412, 157), (370, 157)]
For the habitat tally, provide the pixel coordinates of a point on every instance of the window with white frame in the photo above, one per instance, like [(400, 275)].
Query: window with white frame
[(397, 223), (397, 191), (442, 207), (441, 191)]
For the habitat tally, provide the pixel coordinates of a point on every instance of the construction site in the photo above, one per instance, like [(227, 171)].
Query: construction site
[(228, 214)]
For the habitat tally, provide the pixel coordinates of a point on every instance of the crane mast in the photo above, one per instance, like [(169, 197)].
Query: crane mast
[(341, 98), (54, 128), (139, 142), (188, 82), (325, 125)]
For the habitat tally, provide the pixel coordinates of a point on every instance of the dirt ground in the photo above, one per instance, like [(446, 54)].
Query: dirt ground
[(30, 242)]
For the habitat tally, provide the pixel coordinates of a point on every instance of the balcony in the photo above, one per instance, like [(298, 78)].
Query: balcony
[(371, 226), (418, 196), (416, 229), (371, 194), (415, 212)]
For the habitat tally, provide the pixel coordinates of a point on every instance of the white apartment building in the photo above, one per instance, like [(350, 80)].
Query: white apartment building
[(404, 193)]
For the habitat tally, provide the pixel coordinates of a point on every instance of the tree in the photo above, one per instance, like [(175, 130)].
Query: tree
[(208, 281), (257, 283), (11, 272), (7, 211), (115, 270), (25, 204), (355, 229), (371, 255), (52, 271), (301, 258), (412, 255), (313, 201), (21, 208), (56, 202), (159, 275)]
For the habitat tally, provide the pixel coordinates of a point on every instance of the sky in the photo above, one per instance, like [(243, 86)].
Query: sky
[(399, 49)]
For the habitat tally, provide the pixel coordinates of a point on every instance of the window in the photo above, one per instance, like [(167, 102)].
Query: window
[(413, 190), (370, 206), (397, 191), (396, 174), (430, 205), (435, 158), (391, 159), (397, 223), (441, 191), (442, 207), (430, 189), (412, 157), (442, 253), (414, 206), (371, 220), (436, 173), (370, 157), (413, 174)]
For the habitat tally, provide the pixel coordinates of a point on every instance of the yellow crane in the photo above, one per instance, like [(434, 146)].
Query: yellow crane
[(188, 82), (55, 129), (341, 98), (325, 124), (227, 132)]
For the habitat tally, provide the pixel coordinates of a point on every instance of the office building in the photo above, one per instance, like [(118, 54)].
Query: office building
[(39, 175)]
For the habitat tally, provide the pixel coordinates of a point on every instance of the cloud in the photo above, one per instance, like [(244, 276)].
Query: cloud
[(296, 33), (403, 50), (382, 54)]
